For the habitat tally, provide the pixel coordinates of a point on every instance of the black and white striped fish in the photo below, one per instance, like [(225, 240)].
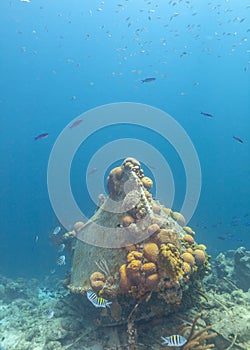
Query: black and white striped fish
[(97, 301), (174, 340)]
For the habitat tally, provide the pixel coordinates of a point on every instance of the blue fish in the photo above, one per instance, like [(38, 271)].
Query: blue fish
[(97, 301), (148, 80), (61, 248), (174, 340), (56, 230), (207, 114)]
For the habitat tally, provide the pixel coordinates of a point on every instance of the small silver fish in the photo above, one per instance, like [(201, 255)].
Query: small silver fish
[(61, 248), (174, 340), (97, 301), (50, 314), (56, 230), (61, 260)]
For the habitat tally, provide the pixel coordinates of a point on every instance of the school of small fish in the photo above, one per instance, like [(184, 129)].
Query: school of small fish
[(173, 18)]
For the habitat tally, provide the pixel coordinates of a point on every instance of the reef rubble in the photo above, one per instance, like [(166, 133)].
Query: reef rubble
[(43, 315)]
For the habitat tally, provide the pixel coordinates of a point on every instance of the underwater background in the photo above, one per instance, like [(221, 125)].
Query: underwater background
[(62, 58)]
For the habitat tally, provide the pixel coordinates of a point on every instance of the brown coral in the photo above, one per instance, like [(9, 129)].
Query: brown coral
[(97, 281), (127, 220), (148, 268), (114, 182), (179, 218), (147, 182), (187, 257), (200, 256), (151, 281), (154, 228), (170, 262), (131, 164), (151, 251), (124, 283), (168, 236), (189, 239)]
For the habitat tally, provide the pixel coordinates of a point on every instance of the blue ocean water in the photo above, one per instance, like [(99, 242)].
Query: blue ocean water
[(59, 59)]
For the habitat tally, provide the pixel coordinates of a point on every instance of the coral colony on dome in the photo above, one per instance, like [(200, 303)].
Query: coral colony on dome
[(162, 259), (151, 265)]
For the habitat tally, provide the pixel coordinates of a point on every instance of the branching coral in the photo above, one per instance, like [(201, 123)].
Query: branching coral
[(196, 340)]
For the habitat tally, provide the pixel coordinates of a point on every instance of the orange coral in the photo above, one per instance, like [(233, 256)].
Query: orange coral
[(148, 268), (179, 218), (147, 182), (189, 239), (151, 281), (151, 251), (134, 255), (124, 283), (127, 220), (133, 271), (133, 266), (187, 257), (97, 281), (200, 256), (186, 268)]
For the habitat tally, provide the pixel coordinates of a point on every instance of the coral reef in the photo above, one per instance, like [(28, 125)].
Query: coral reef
[(41, 315), (158, 254), (233, 265)]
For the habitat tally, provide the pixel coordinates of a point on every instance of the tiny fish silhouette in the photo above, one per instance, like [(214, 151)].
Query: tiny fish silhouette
[(207, 114), (238, 139), (148, 80), (75, 123), (41, 136)]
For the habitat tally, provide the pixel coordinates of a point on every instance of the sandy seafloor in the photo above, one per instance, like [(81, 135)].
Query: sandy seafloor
[(43, 315)]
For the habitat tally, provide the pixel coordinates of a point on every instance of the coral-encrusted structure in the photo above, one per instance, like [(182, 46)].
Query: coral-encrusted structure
[(154, 253)]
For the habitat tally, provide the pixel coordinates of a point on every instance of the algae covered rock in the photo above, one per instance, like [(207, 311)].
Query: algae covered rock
[(242, 268)]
